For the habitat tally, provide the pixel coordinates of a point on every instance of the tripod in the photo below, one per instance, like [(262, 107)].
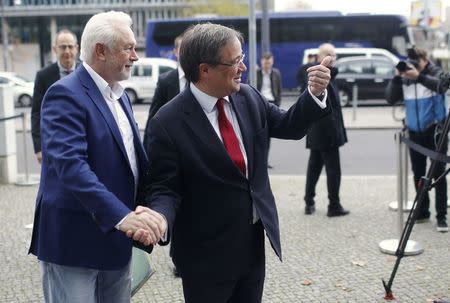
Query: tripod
[(424, 186)]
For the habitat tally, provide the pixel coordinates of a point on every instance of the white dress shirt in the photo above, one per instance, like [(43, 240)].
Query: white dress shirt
[(266, 85), (111, 96), (181, 78), (208, 104)]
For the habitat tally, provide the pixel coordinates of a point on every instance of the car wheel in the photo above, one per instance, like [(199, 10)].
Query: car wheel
[(24, 100), (132, 95), (344, 97)]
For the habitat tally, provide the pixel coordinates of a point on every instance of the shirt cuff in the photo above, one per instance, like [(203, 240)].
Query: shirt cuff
[(121, 221), (164, 237), (322, 103)]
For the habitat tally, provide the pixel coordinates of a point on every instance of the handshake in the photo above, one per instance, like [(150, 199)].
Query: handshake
[(144, 225)]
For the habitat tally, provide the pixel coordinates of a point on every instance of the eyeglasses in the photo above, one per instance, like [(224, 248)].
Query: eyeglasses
[(68, 46), (237, 63)]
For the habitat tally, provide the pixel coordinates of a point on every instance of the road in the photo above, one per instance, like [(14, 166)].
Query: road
[(368, 152)]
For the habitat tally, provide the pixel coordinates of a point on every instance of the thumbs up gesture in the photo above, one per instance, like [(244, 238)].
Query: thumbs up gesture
[(319, 76)]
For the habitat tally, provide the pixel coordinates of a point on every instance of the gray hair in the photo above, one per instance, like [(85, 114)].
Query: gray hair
[(66, 31), (202, 43), (102, 28)]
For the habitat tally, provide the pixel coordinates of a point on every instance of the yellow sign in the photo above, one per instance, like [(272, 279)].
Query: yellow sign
[(426, 13)]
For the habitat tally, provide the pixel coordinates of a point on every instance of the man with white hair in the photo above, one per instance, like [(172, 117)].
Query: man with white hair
[(93, 169)]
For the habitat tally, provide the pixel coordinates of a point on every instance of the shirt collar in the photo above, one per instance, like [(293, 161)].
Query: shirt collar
[(63, 69), (206, 101), (180, 72), (110, 93)]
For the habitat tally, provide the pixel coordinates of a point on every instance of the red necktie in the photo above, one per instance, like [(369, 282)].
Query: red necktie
[(229, 138)]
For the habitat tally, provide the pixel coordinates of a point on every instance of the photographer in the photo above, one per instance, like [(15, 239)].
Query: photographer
[(420, 84)]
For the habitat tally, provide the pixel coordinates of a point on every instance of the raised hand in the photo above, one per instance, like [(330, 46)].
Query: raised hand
[(319, 76)]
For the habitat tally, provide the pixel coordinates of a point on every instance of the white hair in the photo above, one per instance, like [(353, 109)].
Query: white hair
[(102, 28)]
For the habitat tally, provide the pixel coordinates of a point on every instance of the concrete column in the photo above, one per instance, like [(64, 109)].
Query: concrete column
[(53, 32), (8, 154)]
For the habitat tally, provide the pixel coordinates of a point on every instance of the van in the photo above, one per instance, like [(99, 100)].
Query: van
[(351, 52), (144, 77)]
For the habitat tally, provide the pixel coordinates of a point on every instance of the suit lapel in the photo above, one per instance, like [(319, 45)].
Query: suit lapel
[(97, 98), (139, 150), (196, 119), (240, 107)]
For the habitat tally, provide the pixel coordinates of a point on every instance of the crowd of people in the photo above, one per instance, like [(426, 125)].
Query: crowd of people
[(199, 180)]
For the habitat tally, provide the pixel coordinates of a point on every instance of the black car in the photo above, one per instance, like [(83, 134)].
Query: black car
[(370, 75)]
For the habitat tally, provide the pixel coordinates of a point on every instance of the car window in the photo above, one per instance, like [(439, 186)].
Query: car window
[(142, 70), (383, 68), (164, 68), (358, 67), (4, 80)]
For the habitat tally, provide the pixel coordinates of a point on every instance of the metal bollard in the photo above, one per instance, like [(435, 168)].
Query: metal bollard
[(354, 101), (390, 246), (27, 181)]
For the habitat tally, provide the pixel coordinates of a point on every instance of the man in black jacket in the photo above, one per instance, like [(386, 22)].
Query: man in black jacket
[(66, 50), (324, 139), (169, 85)]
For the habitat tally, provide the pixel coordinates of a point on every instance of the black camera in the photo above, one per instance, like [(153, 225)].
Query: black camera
[(402, 66), (413, 59), (412, 54)]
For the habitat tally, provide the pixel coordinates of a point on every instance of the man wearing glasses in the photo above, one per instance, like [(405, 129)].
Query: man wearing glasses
[(66, 50), (208, 166)]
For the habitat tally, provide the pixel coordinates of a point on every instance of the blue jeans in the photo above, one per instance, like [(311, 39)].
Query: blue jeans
[(84, 285)]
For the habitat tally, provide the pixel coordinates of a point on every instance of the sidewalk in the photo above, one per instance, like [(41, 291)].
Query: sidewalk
[(325, 259)]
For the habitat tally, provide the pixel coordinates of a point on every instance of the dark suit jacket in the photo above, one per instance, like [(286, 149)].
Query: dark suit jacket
[(275, 81), (201, 192), (43, 80), (87, 185), (168, 87), (328, 132)]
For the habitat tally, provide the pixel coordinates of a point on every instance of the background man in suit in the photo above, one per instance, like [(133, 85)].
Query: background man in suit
[(302, 74), (268, 82), (324, 139), (208, 163), (66, 50), (169, 85), (93, 168)]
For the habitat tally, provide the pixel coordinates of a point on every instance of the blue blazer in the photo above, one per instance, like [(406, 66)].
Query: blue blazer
[(87, 185), (202, 193)]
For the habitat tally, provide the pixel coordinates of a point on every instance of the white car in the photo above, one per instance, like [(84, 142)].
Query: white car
[(354, 51), (22, 88), (144, 77)]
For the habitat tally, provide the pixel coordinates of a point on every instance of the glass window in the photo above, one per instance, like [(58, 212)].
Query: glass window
[(358, 67), (163, 69), (383, 68), (142, 71)]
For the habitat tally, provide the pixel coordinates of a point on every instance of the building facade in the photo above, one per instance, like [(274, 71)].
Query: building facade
[(35, 22)]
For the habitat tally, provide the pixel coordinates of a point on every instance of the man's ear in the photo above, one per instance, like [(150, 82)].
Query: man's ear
[(100, 51), (204, 70)]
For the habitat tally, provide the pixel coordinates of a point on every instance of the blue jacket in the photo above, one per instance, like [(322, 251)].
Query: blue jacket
[(87, 185), (425, 99)]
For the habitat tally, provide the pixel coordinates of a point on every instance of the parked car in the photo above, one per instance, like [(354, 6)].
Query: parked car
[(22, 88), (370, 75), (144, 77), (342, 52)]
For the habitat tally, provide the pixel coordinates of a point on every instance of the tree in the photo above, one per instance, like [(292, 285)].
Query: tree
[(216, 7)]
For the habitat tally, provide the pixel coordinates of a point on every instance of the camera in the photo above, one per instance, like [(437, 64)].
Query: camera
[(402, 66), (413, 59)]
